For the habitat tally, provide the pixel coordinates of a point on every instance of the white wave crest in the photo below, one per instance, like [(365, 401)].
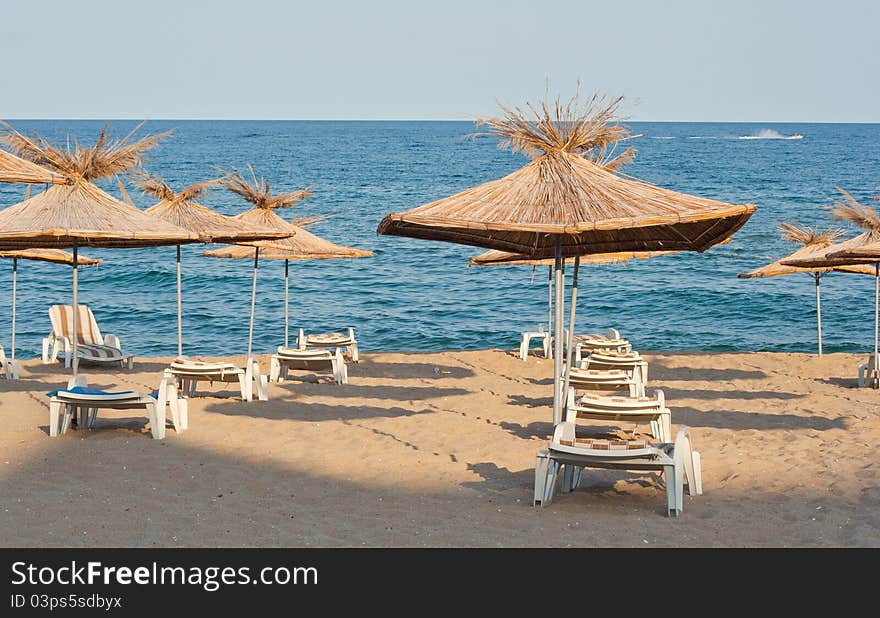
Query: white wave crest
[(771, 134)]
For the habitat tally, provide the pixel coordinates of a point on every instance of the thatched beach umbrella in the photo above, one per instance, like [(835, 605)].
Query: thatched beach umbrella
[(303, 246), (493, 257), (183, 210), (16, 169), (846, 254), (80, 214), (814, 243), (565, 203), (263, 216), (54, 256)]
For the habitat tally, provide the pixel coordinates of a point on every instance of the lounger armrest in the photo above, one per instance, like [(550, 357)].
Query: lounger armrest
[(564, 431), (112, 341), (661, 398)]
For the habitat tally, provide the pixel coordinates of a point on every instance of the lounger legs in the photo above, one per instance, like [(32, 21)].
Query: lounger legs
[(274, 370), (546, 470)]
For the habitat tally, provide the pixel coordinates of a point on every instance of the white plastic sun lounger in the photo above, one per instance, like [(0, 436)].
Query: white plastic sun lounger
[(344, 341), (602, 359), (867, 372), (610, 341), (608, 380), (674, 461), (80, 400), (287, 359), (629, 409), (188, 372), (91, 346), (8, 367)]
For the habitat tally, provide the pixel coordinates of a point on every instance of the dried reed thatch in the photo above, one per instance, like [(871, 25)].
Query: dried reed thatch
[(503, 258), (55, 256), (106, 158), (567, 189), (16, 169), (84, 215), (303, 245), (853, 251), (182, 209), (80, 213), (814, 243)]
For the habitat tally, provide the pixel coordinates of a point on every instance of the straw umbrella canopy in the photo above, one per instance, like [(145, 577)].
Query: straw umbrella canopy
[(493, 257), (54, 256), (303, 246), (183, 210), (845, 254), (259, 193), (566, 203), (814, 242), (79, 213), (16, 169)]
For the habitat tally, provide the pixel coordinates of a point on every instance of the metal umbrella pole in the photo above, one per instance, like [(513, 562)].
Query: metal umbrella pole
[(557, 327)]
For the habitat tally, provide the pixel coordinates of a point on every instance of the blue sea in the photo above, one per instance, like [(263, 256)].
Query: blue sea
[(417, 295)]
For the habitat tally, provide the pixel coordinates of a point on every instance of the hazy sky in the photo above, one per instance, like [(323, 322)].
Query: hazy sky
[(447, 59)]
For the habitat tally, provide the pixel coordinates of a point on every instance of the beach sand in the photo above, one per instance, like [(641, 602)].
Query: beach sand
[(438, 449)]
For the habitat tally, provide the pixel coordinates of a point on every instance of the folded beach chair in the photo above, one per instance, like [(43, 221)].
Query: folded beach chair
[(610, 341), (78, 400), (91, 346), (8, 367), (630, 409), (330, 340), (188, 372), (308, 360), (675, 461), (608, 380)]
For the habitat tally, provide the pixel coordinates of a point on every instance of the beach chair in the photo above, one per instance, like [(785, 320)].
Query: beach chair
[(608, 380), (630, 409), (344, 341), (188, 372), (525, 341), (610, 341), (868, 373), (78, 400), (604, 360), (91, 346), (8, 367), (287, 359), (674, 460)]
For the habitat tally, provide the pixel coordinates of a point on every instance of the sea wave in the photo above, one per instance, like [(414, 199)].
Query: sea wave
[(771, 134)]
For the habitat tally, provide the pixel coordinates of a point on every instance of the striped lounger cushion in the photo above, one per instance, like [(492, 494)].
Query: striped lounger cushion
[(98, 352), (597, 444)]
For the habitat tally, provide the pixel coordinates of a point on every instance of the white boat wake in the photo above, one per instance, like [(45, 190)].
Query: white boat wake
[(771, 134)]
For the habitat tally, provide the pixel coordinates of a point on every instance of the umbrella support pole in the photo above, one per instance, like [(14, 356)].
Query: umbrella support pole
[(819, 311), (874, 368), (73, 329), (549, 347), (179, 308), (558, 334), (571, 321), (253, 303), (14, 283), (286, 314)]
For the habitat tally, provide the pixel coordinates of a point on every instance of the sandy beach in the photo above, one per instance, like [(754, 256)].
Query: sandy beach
[(438, 450)]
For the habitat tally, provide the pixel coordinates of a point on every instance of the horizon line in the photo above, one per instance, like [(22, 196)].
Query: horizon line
[(229, 119)]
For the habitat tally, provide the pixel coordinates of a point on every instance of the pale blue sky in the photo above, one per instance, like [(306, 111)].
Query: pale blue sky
[(740, 60)]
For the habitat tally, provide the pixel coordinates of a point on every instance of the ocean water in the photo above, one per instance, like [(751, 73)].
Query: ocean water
[(417, 295)]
